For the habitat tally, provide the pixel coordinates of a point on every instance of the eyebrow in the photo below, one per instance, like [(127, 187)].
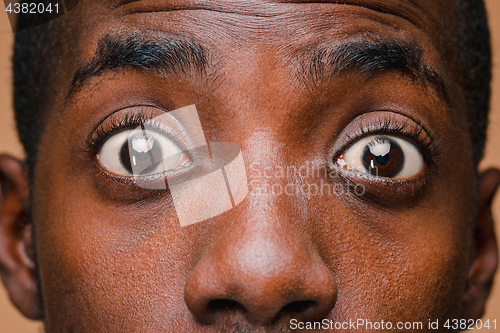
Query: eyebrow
[(372, 56), (158, 55)]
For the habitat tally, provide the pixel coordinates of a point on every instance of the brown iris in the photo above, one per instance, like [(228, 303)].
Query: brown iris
[(141, 162), (383, 158)]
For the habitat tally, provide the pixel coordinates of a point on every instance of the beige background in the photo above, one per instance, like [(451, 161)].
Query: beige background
[(11, 321)]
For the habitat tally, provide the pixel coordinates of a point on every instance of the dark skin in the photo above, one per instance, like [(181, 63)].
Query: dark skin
[(113, 258)]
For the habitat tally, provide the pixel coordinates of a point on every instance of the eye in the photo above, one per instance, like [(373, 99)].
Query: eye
[(133, 153), (383, 156)]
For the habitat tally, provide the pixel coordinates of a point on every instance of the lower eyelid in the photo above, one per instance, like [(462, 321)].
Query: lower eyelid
[(385, 192)]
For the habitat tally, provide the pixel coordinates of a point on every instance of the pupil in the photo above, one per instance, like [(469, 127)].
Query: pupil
[(125, 157), (141, 162), (383, 158)]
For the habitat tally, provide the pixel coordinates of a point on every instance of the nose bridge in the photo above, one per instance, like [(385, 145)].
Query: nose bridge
[(260, 69), (267, 229), (265, 233)]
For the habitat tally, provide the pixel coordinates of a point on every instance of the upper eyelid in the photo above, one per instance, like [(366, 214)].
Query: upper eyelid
[(390, 131), (407, 129), (429, 150), (107, 127), (134, 116), (388, 124)]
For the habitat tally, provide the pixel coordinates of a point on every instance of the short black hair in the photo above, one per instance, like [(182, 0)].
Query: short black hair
[(475, 60), (37, 52)]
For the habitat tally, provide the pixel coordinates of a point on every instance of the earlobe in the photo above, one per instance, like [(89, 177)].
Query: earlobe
[(485, 256), (17, 263)]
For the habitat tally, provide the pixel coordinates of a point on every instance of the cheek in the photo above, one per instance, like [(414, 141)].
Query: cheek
[(108, 265), (408, 265), (104, 266)]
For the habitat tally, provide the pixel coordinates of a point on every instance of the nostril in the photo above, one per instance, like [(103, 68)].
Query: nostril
[(224, 304), (298, 306), (256, 283)]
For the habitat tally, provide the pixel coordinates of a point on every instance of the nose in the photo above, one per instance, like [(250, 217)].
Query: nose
[(266, 272)]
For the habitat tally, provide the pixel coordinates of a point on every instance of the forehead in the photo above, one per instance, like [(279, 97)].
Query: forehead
[(424, 14), (256, 48), (246, 25), (257, 35)]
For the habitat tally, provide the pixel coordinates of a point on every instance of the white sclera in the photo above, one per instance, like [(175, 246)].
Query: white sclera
[(378, 145), (109, 156)]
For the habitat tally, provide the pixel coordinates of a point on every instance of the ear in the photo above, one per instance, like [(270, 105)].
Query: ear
[(17, 263), (485, 256)]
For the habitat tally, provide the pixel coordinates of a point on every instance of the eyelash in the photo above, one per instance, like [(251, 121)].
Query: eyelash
[(132, 119), (415, 132)]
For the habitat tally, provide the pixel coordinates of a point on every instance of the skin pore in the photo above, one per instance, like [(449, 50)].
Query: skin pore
[(271, 77)]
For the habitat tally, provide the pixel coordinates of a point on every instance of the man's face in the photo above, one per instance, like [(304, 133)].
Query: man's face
[(316, 86)]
